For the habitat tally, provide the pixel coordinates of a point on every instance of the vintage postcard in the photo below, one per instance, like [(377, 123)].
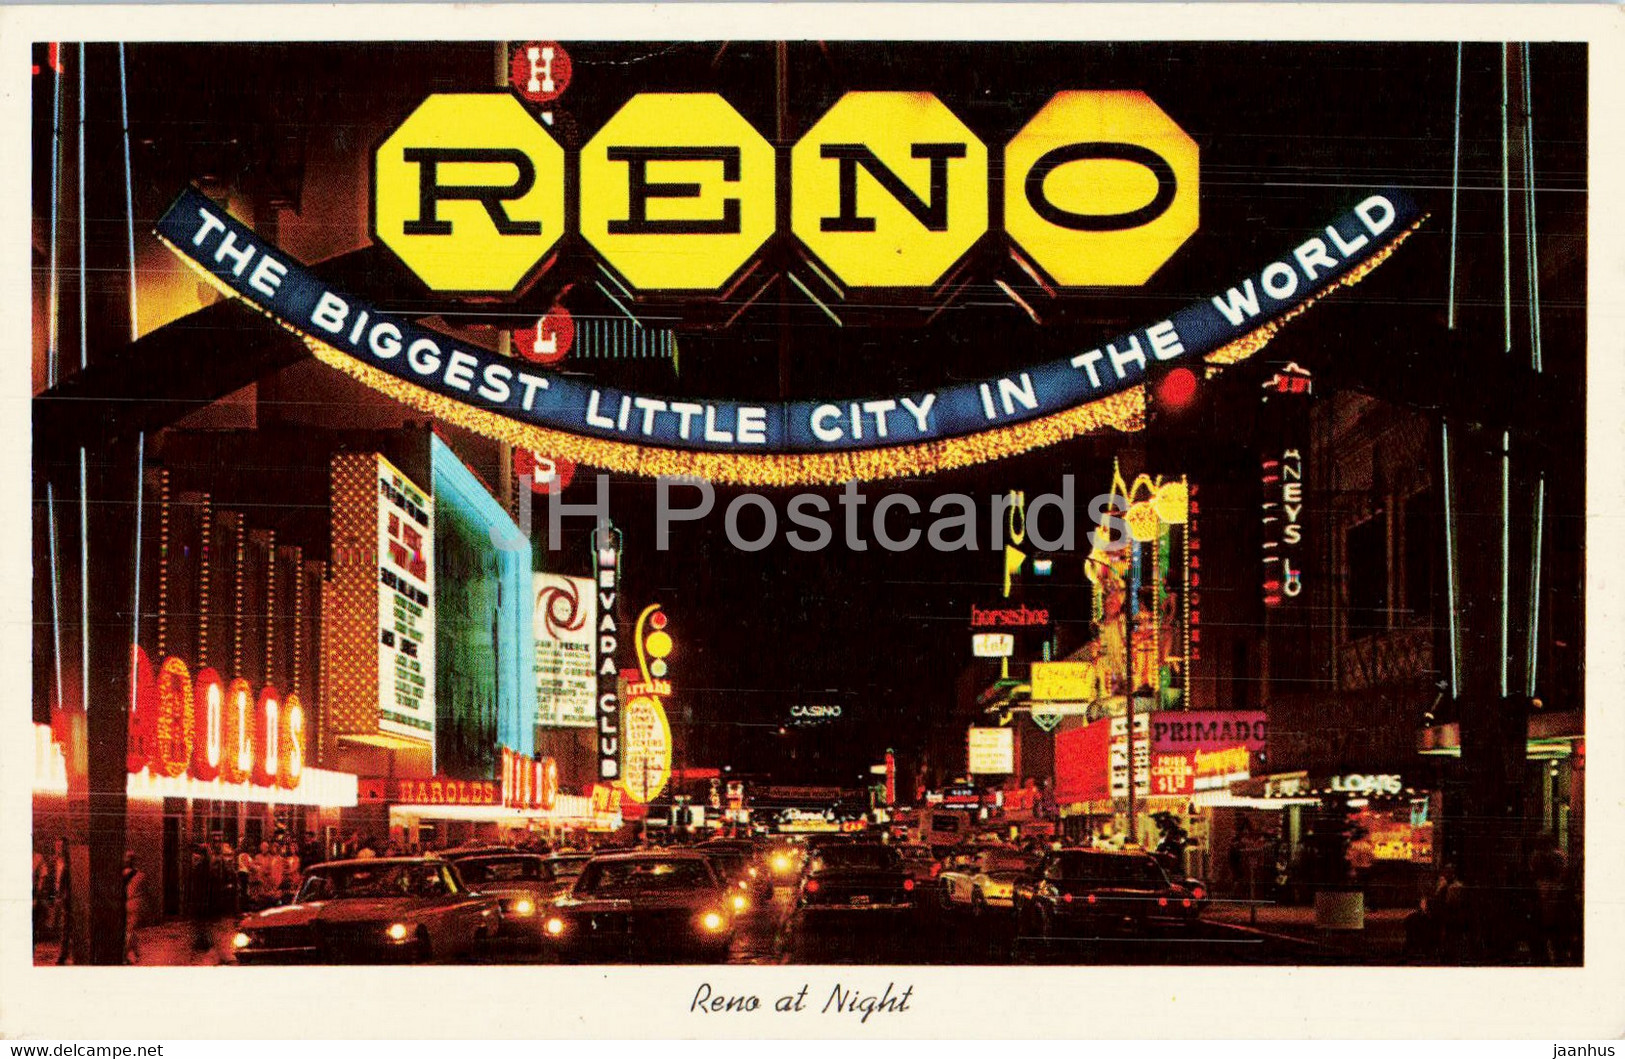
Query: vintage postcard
[(834, 504)]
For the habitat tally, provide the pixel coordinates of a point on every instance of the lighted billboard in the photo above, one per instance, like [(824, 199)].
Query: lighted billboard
[(406, 607), (646, 746), (990, 751), (486, 693), (565, 620)]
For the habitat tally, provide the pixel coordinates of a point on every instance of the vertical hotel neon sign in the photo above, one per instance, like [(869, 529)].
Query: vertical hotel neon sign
[(606, 552)]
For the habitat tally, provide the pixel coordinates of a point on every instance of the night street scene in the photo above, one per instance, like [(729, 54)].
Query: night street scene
[(534, 502)]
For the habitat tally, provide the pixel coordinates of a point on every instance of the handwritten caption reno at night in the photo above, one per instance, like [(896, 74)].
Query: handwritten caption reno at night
[(262, 274), (860, 1003)]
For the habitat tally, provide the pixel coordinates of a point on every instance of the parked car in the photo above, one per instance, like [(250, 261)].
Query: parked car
[(1087, 894), (855, 877), (784, 859), (918, 862), (654, 901), (376, 910), (738, 863), (566, 866), (943, 829), (983, 880), (523, 882), (471, 849)]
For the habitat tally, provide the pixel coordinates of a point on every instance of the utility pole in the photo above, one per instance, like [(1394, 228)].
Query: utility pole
[(95, 492), (1494, 488)]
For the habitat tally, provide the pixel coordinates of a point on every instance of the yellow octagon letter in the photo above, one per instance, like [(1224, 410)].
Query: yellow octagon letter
[(677, 191), (889, 189), (469, 192), (1100, 188)]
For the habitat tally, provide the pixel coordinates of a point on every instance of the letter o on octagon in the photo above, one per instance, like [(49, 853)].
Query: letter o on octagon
[(1100, 188), (469, 192), (889, 189), (678, 191)]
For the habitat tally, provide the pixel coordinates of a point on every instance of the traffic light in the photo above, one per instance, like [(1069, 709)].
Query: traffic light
[(1174, 401), (654, 643), (1175, 392)]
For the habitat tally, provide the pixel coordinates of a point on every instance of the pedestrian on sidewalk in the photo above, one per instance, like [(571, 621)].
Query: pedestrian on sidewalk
[(41, 880), (1549, 870), (290, 873), (135, 906), (1422, 932), (61, 890), (200, 896), (1450, 902), (245, 878)]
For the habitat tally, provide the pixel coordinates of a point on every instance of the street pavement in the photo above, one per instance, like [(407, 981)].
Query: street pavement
[(1230, 933)]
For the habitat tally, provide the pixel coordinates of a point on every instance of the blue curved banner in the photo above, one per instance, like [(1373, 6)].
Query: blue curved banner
[(261, 273)]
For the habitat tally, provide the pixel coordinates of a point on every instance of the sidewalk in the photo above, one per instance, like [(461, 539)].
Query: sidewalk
[(1382, 940), (167, 944)]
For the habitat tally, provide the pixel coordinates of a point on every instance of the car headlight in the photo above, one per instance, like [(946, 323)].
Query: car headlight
[(524, 907), (396, 931), (241, 940), (740, 904), (712, 921), (555, 926), (753, 873), (781, 863)]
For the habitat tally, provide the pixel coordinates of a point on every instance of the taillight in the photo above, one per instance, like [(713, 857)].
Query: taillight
[(1199, 893), (1187, 902), (908, 884), (812, 886), (1091, 898), (1162, 902), (1068, 898)]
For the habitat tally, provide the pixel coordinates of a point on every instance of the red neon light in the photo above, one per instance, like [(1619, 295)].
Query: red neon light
[(1177, 389)]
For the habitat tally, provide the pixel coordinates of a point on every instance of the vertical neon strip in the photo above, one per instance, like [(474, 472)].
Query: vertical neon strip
[(54, 353), (1455, 191), (84, 339), (1506, 212), (1185, 599), (1450, 563), (140, 497), (1159, 571), (56, 577), (1538, 358), (129, 190), (84, 583), (1135, 575), (1506, 550), (1534, 586)]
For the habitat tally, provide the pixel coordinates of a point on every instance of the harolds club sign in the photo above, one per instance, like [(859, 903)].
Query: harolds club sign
[(679, 193), (525, 783), (208, 729)]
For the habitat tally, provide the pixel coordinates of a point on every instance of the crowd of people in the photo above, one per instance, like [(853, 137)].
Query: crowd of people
[(1538, 917)]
